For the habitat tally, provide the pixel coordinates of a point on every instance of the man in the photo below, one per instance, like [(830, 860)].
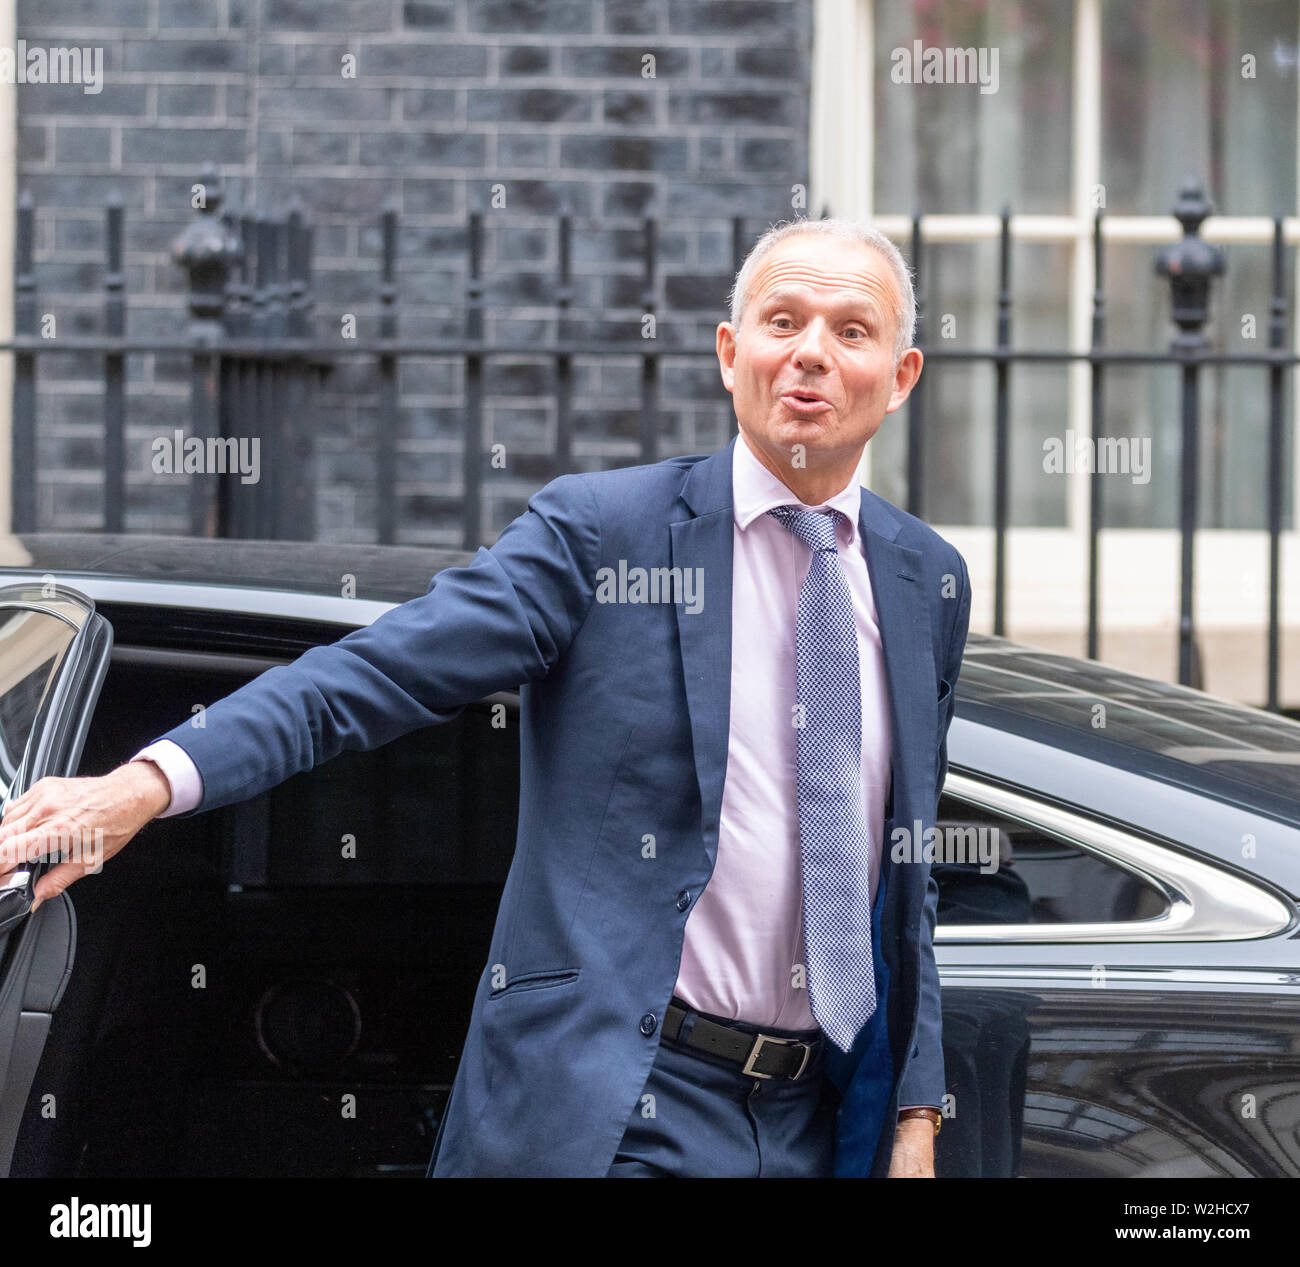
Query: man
[(736, 675)]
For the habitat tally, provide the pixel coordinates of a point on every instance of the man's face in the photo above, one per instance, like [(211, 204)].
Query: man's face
[(813, 361)]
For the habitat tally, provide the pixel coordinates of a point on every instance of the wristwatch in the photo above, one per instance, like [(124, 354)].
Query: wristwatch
[(932, 1114)]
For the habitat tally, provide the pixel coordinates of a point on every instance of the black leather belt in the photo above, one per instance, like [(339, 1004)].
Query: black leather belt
[(759, 1055)]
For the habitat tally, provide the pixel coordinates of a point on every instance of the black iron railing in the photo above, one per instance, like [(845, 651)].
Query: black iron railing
[(257, 367)]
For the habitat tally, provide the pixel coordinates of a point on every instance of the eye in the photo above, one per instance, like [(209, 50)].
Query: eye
[(857, 331), (781, 322)]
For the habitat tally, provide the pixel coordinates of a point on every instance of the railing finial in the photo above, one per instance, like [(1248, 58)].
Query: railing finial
[(206, 248), (1191, 264)]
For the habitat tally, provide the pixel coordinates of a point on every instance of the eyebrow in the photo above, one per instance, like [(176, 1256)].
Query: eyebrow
[(789, 294)]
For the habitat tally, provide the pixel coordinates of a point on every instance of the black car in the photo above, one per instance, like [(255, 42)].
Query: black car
[(281, 987)]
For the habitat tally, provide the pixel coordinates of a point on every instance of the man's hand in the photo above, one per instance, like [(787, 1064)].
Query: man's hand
[(84, 820), (913, 1150)]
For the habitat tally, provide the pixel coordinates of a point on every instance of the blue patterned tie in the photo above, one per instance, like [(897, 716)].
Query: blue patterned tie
[(832, 829)]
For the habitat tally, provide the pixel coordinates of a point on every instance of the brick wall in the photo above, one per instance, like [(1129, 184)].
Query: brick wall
[(547, 100)]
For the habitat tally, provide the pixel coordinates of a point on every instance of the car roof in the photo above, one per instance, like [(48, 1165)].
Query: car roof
[(382, 573), (1214, 746)]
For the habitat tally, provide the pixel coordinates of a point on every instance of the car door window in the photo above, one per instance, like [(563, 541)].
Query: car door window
[(32, 646), (995, 869), (1013, 867)]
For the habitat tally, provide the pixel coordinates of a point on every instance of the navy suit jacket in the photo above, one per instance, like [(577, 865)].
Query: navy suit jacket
[(624, 719)]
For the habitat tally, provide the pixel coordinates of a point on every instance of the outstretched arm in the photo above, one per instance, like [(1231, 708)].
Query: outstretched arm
[(503, 620)]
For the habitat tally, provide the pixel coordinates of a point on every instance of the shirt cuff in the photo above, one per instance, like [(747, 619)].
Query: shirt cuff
[(179, 770)]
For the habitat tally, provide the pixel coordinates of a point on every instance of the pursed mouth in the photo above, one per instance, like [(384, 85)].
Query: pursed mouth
[(804, 402)]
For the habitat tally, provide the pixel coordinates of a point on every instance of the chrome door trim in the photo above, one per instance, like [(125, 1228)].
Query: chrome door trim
[(1103, 976), (1205, 902)]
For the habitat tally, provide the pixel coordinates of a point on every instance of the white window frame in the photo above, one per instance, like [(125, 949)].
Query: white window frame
[(1047, 567)]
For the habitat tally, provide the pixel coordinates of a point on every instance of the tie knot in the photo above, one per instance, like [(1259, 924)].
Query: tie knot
[(815, 528)]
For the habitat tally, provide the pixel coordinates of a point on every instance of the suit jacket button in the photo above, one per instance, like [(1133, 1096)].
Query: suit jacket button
[(648, 1023), (683, 899)]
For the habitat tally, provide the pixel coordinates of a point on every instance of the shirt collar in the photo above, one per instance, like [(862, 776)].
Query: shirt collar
[(755, 490)]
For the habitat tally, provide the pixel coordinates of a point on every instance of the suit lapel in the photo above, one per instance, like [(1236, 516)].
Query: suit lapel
[(704, 541)]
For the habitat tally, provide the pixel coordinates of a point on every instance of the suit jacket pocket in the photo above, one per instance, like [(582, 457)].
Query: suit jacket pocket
[(536, 981)]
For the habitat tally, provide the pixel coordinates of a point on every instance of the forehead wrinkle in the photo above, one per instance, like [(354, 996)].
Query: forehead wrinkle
[(870, 284), (858, 298)]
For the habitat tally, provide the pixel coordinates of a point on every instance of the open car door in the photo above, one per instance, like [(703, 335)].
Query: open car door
[(54, 652)]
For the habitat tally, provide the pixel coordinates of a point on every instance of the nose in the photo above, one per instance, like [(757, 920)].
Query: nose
[(810, 351)]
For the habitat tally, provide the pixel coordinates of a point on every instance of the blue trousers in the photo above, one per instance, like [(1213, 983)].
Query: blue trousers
[(700, 1116)]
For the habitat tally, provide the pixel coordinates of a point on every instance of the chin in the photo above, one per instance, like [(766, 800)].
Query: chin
[(804, 430)]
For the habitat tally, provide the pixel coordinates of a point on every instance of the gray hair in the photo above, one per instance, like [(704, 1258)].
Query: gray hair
[(852, 231)]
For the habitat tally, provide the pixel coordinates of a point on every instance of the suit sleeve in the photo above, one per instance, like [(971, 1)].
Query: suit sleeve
[(923, 1079), (503, 620)]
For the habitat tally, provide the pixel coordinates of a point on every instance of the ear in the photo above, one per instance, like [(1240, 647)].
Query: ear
[(906, 373), (726, 348)]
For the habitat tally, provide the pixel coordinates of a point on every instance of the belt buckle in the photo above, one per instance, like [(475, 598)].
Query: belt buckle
[(756, 1050)]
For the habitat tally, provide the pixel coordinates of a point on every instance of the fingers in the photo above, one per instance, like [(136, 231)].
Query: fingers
[(24, 841), (50, 822), (26, 846), (17, 817), (44, 841), (19, 801), (56, 880), (23, 810), (23, 804)]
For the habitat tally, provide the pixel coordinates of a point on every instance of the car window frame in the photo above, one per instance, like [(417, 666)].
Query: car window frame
[(1205, 902)]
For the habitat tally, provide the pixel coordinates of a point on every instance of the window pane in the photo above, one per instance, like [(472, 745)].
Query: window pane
[(31, 649), (1175, 103), (1145, 402), (960, 287), (996, 870), (1235, 400), (951, 147)]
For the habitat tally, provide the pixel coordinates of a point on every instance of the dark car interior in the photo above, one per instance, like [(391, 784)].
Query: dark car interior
[(279, 987)]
